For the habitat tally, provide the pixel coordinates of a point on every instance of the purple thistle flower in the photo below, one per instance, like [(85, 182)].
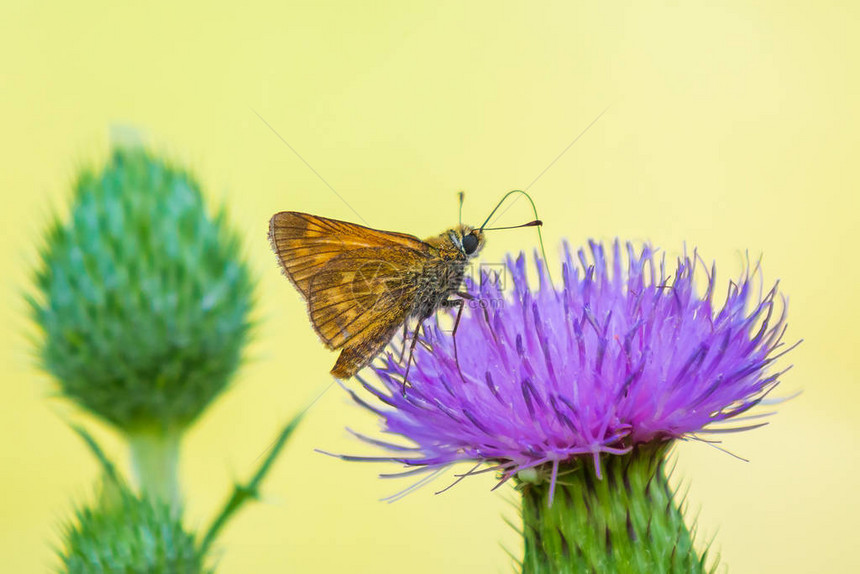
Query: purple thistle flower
[(624, 353)]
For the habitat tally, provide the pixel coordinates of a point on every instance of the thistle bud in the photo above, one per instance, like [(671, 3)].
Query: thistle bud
[(141, 296), (126, 533)]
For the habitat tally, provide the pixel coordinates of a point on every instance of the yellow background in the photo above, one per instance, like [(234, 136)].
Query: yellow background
[(731, 127)]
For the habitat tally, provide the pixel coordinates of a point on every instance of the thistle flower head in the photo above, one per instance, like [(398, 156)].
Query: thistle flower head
[(141, 296), (624, 352)]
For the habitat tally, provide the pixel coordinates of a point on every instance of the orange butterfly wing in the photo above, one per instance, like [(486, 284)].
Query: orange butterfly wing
[(360, 299), (304, 243), (360, 283)]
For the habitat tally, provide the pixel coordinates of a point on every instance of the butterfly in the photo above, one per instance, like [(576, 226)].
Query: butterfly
[(362, 285)]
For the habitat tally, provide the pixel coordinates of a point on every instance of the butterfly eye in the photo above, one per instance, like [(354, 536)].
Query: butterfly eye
[(470, 244)]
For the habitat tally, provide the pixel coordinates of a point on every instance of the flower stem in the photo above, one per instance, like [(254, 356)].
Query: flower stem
[(155, 461), (626, 521), (244, 492)]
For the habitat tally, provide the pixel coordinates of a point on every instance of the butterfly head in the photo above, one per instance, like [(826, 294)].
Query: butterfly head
[(468, 240)]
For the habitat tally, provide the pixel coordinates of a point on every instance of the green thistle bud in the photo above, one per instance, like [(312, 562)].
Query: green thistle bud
[(126, 533), (142, 297)]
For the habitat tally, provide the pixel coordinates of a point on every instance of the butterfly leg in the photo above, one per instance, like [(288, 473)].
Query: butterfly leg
[(403, 347), (460, 303), (409, 360)]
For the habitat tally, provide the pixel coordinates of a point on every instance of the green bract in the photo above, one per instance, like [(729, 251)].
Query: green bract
[(142, 296), (629, 520), (128, 534)]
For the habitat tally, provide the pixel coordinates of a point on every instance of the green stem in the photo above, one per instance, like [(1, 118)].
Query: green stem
[(627, 521), (244, 492), (155, 461)]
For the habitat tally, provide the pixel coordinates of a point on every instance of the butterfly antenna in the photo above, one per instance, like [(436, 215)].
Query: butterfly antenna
[(536, 223)]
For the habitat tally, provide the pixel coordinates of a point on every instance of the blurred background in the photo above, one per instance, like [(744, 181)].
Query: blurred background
[(732, 128)]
